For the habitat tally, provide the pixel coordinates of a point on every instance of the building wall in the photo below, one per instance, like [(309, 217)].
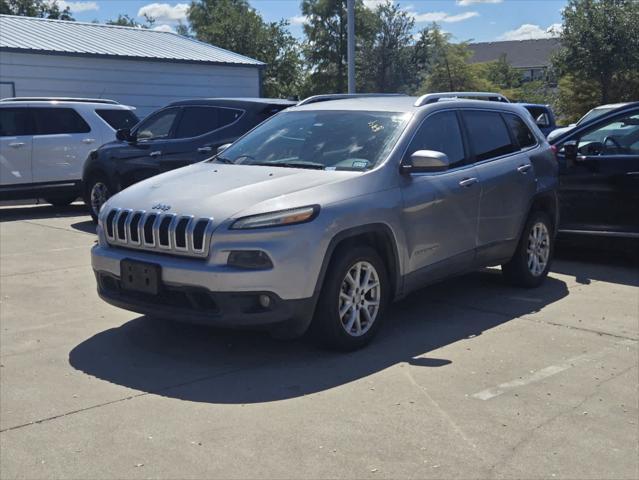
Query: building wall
[(146, 85)]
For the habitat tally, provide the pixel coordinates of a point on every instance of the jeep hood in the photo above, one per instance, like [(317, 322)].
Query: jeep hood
[(221, 191)]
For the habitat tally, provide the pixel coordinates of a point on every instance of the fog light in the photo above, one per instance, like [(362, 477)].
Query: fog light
[(251, 259), (265, 301)]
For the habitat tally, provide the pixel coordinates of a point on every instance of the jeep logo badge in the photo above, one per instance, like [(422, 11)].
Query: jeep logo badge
[(161, 206)]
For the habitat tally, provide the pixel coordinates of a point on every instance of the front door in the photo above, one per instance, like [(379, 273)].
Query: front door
[(440, 210), (599, 191), (16, 139)]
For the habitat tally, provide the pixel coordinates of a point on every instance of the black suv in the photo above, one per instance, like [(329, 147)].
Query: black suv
[(182, 133), (599, 175)]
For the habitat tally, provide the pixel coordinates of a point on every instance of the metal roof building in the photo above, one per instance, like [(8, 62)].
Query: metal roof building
[(135, 66)]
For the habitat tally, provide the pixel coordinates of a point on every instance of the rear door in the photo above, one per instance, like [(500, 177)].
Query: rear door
[(600, 190), (16, 142), (61, 145), (200, 130), (440, 208), (506, 174)]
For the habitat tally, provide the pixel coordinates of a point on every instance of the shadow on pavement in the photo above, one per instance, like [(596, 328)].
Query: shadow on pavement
[(14, 213), (207, 365), (87, 226)]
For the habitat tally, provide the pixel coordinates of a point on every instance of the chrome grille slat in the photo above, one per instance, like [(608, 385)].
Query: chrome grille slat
[(164, 227)]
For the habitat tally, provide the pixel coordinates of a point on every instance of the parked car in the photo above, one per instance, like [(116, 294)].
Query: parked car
[(45, 141), (182, 133), (324, 214), (543, 115), (599, 175), (591, 115)]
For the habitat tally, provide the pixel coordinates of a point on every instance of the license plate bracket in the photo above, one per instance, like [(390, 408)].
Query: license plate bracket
[(141, 277)]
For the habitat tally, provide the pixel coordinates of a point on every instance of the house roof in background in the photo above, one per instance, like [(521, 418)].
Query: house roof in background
[(520, 53), (38, 35)]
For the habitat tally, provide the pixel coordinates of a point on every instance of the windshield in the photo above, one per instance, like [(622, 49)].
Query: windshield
[(594, 113), (118, 119), (326, 140)]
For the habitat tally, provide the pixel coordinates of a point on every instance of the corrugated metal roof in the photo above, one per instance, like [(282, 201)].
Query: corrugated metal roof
[(76, 38)]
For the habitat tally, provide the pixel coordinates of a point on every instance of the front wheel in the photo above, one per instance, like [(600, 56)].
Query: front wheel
[(96, 194), (352, 300), (530, 264)]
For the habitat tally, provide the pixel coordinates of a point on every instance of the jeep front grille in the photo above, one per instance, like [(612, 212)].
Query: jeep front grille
[(158, 232)]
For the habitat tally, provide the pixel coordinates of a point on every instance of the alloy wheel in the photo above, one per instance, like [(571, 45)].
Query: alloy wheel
[(359, 299), (538, 249)]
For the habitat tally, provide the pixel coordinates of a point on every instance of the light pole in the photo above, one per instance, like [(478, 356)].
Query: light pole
[(350, 22)]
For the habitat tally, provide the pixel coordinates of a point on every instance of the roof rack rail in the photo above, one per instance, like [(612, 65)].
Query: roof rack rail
[(341, 96), (436, 97), (60, 99)]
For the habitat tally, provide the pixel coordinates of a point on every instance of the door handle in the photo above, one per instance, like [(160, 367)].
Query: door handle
[(467, 182), (88, 140), (157, 153), (524, 168), (205, 149), (16, 144)]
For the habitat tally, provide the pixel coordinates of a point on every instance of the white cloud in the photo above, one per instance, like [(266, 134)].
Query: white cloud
[(530, 32), (443, 17), (77, 7), (373, 4), (298, 20), (466, 3), (163, 12), (164, 28)]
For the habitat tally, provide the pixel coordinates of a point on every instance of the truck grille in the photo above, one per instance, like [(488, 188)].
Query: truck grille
[(158, 232)]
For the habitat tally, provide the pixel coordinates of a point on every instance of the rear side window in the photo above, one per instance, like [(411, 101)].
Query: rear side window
[(118, 119), (15, 122), (197, 121), (440, 132), (488, 135), (520, 131), (55, 121)]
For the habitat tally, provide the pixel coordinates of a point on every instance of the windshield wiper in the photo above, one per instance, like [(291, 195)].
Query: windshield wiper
[(223, 160), (308, 165)]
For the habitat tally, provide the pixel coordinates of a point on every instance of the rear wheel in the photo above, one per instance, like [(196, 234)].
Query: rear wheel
[(97, 192), (530, 264), (352, 301), (61, 201)]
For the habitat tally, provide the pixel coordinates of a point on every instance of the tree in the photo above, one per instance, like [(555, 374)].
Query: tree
[(325, 48), (35, 8), (235, 26), (125, 21), (386, 63), (600, 41), (502, 74)]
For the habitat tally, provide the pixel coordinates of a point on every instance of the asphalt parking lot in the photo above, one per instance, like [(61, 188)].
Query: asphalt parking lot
[(469, 379)]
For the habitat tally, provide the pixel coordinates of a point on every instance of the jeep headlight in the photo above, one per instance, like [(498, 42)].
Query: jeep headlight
[(280, 218)]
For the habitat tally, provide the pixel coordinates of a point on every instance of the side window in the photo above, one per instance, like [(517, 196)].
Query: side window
[(488, 134), (197, 121), (440, 132), (56, 121), (15, 122), (525, 138), (158, 126), (619, 137)]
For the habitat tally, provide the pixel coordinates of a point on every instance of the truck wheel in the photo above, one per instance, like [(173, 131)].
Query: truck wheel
[(352, 301), (62, 201), (530, 264), (97, 192)]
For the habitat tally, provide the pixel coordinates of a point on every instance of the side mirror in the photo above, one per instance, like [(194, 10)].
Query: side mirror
[(426, 161), (570, 150), (124, 135), (221, 148)]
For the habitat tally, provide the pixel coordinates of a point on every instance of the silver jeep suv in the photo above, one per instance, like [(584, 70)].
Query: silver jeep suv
[(321, 216)]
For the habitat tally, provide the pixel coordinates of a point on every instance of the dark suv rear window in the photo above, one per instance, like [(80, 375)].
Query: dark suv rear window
[(118, 119), (54, 121), (520, 131), (488, 134), (197, 121), (15, 122)]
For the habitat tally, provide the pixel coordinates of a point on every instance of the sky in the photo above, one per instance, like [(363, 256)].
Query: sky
[(473, 20)]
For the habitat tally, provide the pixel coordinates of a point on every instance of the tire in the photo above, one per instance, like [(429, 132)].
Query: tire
[(94, 204), (330, 329), (529, 269), (62, 201)]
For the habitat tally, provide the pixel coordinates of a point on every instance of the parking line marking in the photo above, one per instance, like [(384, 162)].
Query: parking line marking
[(547, 372)]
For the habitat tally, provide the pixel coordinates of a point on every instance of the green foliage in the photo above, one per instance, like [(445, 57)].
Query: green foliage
[(35, 8), (600, 42), (125, 21), (502, 74), (235, 26)]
